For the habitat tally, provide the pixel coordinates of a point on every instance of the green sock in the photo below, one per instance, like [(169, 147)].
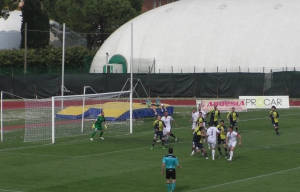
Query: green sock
[(173, 186), (93, 134), (168, 187), (101, 133)]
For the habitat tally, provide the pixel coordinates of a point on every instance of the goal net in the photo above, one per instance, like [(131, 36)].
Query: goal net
[(12, 116), (68, 116)]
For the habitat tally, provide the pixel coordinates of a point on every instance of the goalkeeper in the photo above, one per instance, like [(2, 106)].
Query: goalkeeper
[(98, 125)]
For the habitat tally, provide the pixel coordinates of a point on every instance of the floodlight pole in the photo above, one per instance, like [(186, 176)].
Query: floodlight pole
[(63, 66), (131, 78)]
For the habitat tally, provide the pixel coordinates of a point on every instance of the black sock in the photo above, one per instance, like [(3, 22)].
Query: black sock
[(219, 149), (205, 154), (276, 129), (153, 143), (163, 142), (172, 135), (225, 151), (236, 129)]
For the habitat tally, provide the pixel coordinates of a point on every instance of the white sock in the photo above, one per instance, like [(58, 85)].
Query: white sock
[(231, 155), (213, 154)]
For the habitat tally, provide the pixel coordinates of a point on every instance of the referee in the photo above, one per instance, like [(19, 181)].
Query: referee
[(170, 162)]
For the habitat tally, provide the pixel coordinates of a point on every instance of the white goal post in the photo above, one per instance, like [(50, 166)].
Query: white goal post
[(47, 121)]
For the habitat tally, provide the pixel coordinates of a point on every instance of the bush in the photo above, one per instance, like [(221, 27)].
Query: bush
[(43, 61)]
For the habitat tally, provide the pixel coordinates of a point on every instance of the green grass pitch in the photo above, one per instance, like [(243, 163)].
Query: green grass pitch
[(264, 162)]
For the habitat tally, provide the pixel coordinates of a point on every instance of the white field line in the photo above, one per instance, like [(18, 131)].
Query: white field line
[(83, 156), (67, 142), (247, 179), (9, 190)]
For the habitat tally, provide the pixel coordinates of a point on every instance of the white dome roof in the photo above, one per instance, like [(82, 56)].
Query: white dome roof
[(10, 33), (199, 35)]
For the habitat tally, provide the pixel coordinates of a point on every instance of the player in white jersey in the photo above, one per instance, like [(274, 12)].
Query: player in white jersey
[(212, 138), (167, 130), (231, 140), (194, 119)]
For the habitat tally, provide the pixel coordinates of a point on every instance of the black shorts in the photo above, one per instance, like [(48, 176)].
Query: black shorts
[(221, 141), (170, 173), (199, 145), (233, 123), (159, 133), (275, 124)]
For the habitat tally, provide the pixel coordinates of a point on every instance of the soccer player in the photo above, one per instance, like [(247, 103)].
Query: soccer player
[(214, 115), (198, 139), (200, 119), (170, 162), (161, 109), (98, 125), (203, 114), (194, 119), (149, 104), (211, 138), (222, 138), (233, 118), (231, 140), (168, 129), (274, 119), (158, 127)]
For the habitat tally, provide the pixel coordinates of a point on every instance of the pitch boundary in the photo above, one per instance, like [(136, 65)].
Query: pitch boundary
[(247, 179)]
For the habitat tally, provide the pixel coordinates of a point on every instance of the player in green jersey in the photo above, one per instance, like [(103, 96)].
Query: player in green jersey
[(98, 125)]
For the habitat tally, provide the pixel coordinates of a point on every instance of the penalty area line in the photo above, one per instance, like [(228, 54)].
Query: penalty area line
[(247, 179), (9, 190)]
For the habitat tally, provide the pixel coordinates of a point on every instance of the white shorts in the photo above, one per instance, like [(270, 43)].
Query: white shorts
[(212, 143), (167, 129), (231, 144)]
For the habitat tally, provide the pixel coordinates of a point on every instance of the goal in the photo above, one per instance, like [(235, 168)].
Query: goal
[(67, 116)]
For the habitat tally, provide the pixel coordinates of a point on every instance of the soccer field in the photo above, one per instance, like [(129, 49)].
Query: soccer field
[(264, 162)]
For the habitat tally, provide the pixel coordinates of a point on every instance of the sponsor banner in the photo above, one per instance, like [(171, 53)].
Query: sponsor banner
[(223, 105), (266, 102)]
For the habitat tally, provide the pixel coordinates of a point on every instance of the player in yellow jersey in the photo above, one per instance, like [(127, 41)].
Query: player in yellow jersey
[(198, 139), (214, 115), (200, 119), (222, 138), (158, 126), (233, 117), (274, 119)]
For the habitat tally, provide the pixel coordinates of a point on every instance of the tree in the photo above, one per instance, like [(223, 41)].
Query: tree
[(97, 19), (49, 8), (6, 6), (137, 5), (38, 28)]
